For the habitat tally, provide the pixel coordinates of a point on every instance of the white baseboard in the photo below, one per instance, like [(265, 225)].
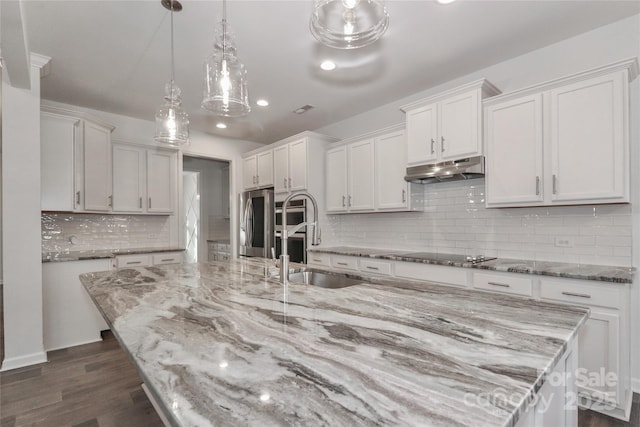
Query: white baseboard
[(22, 361)]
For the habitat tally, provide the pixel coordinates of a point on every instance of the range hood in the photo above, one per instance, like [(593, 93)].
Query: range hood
[(469, 168)]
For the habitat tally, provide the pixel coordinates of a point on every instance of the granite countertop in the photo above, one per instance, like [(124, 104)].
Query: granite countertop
[(55, 256), (602, 273), (225, 343)]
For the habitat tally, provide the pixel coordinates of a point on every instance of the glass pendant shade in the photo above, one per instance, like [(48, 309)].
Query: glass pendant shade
[(225, 78), (172, 123), (348, 24)]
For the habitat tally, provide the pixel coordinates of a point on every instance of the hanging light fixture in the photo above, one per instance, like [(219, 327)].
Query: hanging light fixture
[(348, 24), (225, 77), (172, 123)]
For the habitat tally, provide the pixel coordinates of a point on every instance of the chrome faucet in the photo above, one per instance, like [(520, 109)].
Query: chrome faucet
[(315, 239)]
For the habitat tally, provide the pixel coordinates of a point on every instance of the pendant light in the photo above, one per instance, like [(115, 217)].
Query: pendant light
[(225, 77), (348, 24), (172, 123)]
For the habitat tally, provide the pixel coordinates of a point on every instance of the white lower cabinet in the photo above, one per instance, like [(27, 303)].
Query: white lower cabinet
[(431, 273), (147, 260), (505, 283), (70, 317), (319, 259)]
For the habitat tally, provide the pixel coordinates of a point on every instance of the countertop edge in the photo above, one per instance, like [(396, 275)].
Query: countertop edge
[(101, 254)]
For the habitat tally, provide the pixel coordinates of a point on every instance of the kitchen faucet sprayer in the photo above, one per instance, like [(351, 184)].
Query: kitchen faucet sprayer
[(315, 239)]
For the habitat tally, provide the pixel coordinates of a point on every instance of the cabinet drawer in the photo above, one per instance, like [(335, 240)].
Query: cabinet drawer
[(344, 262), (133, 261), (432, 273), (582, 292), (167, 258), (375, 267), (319, 259), (502, 283)]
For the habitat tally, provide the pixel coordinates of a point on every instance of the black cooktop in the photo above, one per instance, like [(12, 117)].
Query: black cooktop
[(453, 258)]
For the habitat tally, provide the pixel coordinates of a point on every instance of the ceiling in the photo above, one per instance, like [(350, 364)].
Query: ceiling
[(114, 55)]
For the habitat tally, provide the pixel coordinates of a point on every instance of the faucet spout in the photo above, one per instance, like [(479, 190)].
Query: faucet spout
[(315, 239)]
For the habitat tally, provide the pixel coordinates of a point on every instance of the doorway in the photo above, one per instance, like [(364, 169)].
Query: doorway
[(206, 209)]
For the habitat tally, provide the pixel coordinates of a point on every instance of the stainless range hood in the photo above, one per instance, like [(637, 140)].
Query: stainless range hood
[(469, 168)]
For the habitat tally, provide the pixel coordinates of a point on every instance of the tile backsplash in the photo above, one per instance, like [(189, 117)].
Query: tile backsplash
[(455, 220), (95, 231)]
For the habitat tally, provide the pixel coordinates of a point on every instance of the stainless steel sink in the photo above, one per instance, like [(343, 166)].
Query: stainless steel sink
[(323, 279)]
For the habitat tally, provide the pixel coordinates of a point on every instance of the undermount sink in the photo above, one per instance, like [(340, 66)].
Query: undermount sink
[(324, 279)]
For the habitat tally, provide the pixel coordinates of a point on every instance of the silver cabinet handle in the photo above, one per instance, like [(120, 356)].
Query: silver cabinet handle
[(149, 203), (432, 144), (258, 179), (555, 183), (342, 263), (404, 196), (133, 262), (537, 185), (343, 203), (316, 260), (442, 144), (110, 204), (254, 179), (140, 202), (77, 197), (285, 183), (372, 268), (502, 285), (289, 182), (349, 200), (571, 294), (168, 259)]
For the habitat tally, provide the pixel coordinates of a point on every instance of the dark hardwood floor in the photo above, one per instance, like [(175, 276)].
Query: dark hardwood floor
[(95, 385)]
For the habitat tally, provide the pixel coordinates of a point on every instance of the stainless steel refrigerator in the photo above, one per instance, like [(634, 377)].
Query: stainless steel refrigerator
[(256, 223)]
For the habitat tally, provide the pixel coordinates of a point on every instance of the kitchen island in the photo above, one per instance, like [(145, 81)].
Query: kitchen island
[(224, 343)]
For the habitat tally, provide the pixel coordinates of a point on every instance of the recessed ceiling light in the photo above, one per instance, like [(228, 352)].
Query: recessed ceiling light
[(262, 102), (445, 1), (221, 126), (328, 65)]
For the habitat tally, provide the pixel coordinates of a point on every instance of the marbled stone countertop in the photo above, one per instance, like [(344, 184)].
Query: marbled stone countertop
[(602, 273), (102, 253), (225, 344)]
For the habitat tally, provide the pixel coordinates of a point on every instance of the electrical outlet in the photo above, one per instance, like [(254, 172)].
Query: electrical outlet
[(564, 242)]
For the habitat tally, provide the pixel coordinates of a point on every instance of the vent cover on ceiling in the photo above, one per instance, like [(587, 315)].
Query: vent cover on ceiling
[(303, 109)]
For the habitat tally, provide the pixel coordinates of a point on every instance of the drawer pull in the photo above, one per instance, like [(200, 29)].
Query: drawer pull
[(168, 259), (133, 262), (316, 260), (502, 285), (342, 263), (571, 294), (372, 268)]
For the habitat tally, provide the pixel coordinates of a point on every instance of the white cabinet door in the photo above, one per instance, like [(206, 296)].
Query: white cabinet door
[(360, 172), (599, 349), (336, 179), (392, 191), (161, 181), (249, 172), (514, 152), (298, 165), (587, 140), (460, 126), (264, 168), (97, 168), (422, 134), (58, 138), (281, 169), (129, 176)]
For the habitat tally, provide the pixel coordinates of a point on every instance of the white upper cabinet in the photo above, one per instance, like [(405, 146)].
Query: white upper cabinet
[(366, 174), (257, 170), (75, 162), (290, 166), (563, 142), (447, 126), (391, 190), (144, 179)]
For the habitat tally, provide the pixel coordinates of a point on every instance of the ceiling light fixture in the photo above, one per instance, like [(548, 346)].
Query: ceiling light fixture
[(225, 79), (445, 1), (348, 24), (262, 102), (221, 126), (172, 123), (328, 65)]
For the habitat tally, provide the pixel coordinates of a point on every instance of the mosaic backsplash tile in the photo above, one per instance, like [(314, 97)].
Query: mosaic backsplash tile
[(455, 220), (95, 231)]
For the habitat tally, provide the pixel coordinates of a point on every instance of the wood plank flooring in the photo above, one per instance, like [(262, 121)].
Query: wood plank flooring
[(95, 385)]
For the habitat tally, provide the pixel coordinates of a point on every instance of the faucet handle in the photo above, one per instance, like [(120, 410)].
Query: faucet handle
[(276, 261)]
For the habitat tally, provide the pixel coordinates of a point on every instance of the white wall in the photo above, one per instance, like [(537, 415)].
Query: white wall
[(23, 326), (589, 50)]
